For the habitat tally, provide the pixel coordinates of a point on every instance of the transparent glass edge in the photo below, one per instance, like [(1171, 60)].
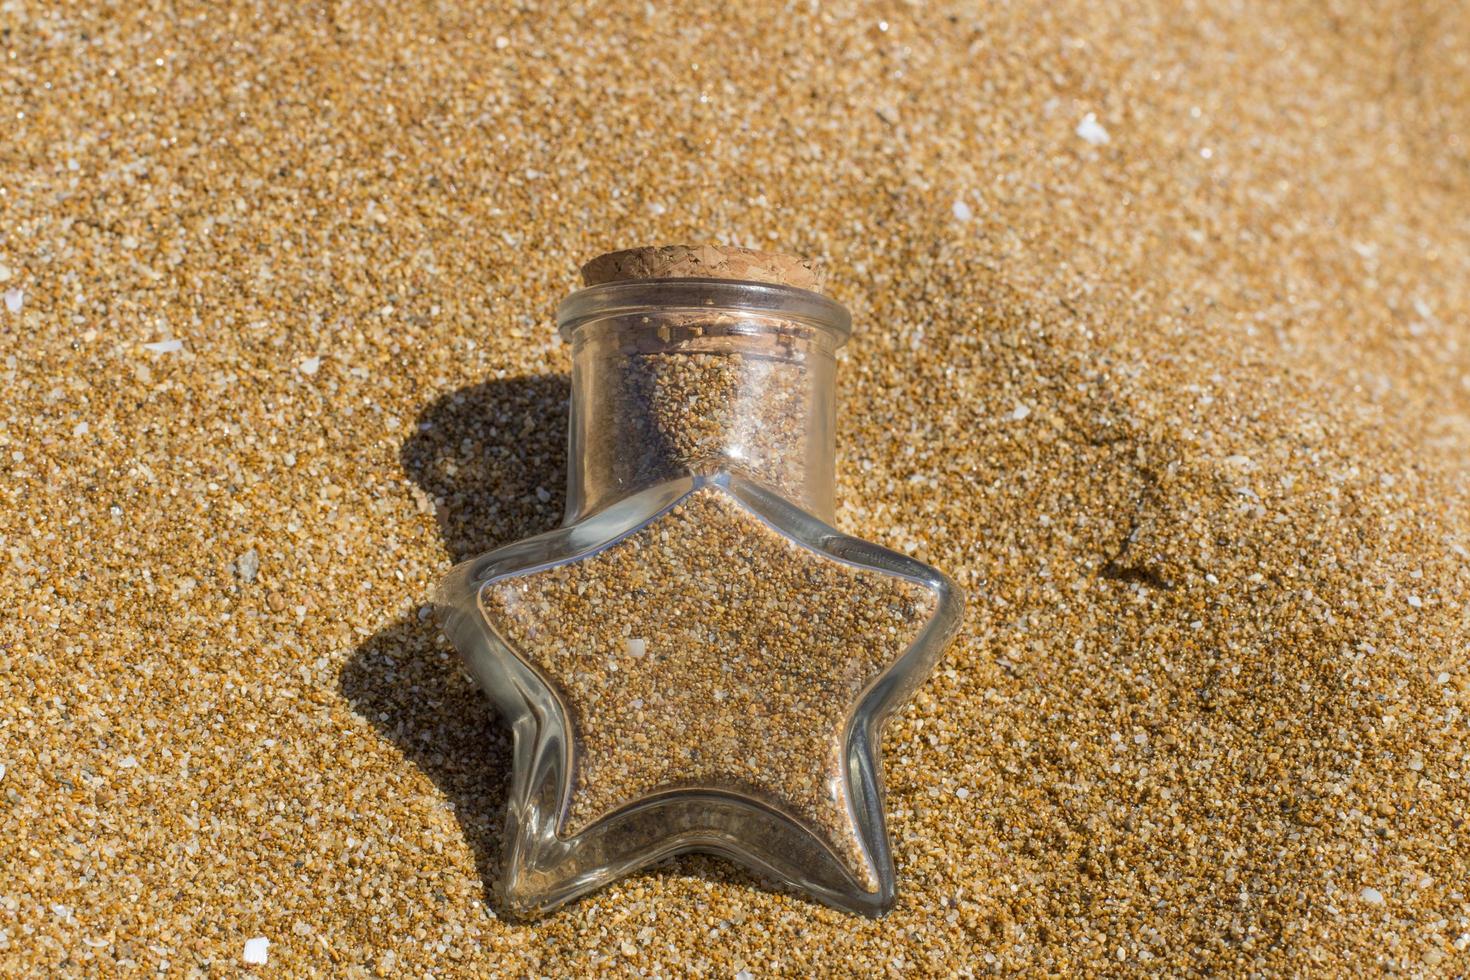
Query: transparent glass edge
[(694, 295)]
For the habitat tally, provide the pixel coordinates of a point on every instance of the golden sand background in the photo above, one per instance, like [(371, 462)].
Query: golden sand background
[(1187, 413)]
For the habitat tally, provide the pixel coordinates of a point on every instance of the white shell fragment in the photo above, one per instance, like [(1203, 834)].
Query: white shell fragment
[(1091, 130), (257, 950)]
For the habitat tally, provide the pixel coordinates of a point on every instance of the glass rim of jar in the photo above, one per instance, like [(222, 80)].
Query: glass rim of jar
[(698, 295)]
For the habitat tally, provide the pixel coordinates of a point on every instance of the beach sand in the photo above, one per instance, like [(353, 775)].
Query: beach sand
[(1162, 351)]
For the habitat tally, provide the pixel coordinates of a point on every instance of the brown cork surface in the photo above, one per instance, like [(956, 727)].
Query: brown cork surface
[(1164, 355), (703, 261)]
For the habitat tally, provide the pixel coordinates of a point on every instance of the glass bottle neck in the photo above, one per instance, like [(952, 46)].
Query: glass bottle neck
[(668, 390)]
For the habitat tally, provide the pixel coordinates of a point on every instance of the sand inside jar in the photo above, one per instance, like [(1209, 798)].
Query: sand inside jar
[(709, 651)]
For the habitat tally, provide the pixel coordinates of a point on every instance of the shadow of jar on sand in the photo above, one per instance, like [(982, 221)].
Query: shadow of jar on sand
[(492, 457)]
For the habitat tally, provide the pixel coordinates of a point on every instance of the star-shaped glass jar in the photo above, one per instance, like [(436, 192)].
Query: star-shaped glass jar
[(697, 659)]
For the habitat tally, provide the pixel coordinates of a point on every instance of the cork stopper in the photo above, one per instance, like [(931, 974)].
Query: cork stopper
[(703, 261)]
